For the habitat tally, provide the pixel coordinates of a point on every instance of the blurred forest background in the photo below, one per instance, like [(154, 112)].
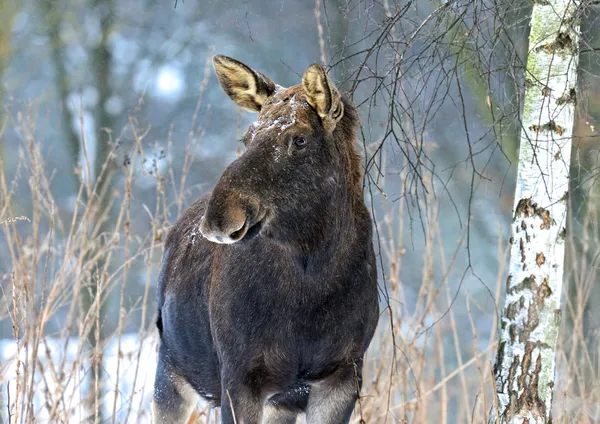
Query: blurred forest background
[(112, 122)]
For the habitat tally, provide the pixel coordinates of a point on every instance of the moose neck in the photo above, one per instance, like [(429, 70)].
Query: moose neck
[(316, 237), (330, 228)]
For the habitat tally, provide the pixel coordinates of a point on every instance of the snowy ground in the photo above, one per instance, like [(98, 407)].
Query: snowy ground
[(65, 379), (63, 375)]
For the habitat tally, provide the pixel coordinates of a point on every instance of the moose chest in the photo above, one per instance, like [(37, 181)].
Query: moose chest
[(304, 314)]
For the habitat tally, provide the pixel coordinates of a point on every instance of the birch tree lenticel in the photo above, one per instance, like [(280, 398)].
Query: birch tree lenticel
[(524, 369)]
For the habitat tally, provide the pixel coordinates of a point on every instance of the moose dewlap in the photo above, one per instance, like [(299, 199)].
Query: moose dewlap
[(267, 296)]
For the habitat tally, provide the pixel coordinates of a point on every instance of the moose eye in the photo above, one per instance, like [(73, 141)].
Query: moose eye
[(299, 142)]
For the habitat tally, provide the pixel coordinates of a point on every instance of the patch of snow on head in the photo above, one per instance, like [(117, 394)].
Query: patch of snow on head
[(292, 118), (281, 123), (274, 124)]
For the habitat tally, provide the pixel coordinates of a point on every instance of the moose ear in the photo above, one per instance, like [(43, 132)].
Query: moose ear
[(247, 87), (323, 96)]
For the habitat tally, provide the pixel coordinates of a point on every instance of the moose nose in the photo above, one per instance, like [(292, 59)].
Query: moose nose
[(224, 232)]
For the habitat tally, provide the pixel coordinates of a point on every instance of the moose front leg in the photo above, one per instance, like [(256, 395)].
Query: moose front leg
[(332, 399), (279, 415), (240, 405), (174, 399)]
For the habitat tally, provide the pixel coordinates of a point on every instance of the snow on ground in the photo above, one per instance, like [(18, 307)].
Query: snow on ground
[(64, 378), (64, 375)]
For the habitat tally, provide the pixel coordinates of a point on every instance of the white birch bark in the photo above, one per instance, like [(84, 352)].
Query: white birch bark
[(525, 362)]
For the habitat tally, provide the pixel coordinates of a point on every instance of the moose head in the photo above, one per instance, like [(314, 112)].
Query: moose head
[(299, 156)]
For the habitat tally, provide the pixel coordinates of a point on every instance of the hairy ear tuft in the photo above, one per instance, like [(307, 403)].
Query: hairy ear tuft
[(245, 86), (323, 96)]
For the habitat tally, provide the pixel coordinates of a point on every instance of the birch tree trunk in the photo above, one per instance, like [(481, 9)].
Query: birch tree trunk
[(524, 370)]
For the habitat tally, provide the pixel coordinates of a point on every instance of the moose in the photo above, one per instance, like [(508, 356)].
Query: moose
[(267, 294)]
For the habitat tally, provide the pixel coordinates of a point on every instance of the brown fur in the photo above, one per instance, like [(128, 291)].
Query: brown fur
[(267, 296)]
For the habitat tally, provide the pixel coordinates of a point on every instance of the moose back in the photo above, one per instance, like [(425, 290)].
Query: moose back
[(267, 295)]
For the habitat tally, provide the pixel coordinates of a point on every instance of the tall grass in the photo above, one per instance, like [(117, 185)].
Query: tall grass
[(417, 370)]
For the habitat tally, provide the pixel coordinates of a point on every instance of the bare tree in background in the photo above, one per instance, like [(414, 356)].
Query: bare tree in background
[(104, 168), (96, 177), (53, 19), (94, 300), (8, 10)]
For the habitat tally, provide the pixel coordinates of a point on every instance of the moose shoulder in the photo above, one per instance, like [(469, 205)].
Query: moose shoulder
[(267, 296)]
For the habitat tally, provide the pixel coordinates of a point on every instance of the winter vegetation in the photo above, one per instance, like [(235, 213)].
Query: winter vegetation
[(480, 144)]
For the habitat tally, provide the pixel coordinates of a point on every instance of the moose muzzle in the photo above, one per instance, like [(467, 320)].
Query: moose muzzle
[(228, 220)]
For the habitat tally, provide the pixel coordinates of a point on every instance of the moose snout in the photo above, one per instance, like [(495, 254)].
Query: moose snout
[(228, 220), (225, 229)]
